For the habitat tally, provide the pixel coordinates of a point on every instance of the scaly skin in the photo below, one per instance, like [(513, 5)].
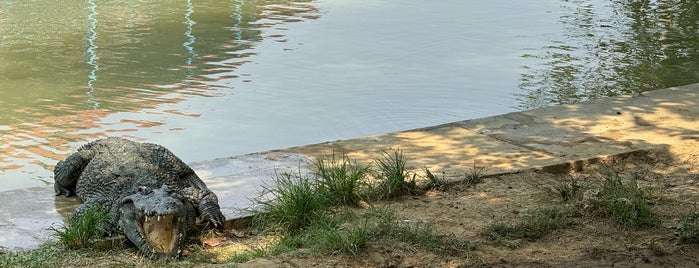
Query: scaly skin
[(132, 180)]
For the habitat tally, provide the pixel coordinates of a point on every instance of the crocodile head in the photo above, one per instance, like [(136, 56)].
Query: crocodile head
[(155, 221)]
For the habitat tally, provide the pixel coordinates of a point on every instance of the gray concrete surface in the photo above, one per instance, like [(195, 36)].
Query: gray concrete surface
[(556, 139)]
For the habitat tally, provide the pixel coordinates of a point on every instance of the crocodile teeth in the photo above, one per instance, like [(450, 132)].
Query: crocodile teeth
[(158, 217)]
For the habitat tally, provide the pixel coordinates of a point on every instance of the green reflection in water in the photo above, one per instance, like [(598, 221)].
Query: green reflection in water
[(65, 65), (614, 47)]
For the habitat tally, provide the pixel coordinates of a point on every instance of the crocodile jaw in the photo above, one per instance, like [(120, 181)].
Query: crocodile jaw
[(161, 232)]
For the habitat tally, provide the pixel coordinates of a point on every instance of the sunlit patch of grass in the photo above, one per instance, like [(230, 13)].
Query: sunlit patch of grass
[(341, 178), (393, 176), (248, 255), (294, 203)]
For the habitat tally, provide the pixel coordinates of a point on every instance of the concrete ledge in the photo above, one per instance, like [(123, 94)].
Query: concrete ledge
[(556, 139)]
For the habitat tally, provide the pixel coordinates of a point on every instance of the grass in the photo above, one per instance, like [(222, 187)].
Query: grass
[(389, 227), (619, 199), (338, 233), (41, 257), (352, 231), (82, 231), (309, 213), (568, 190), (534, 225), (248, 255), (436, 183), (689, 228), (294, 203), (625, 203), (393, 176), (52, 254), (474, 175), (341, 178)]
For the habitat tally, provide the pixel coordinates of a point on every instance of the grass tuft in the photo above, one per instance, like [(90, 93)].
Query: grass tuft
[(568, 190), (474, 175), (294, 203), (393, 175), (436, 183), (81, 232), (625, 203), (336, 234), (341, 178)]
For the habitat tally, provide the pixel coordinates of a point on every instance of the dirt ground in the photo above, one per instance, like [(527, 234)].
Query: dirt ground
[(463, 211)]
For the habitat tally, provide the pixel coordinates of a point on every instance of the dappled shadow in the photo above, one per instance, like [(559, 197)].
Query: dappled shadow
[(664, 121)]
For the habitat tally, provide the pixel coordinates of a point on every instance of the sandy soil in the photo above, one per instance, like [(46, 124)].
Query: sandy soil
[(463, 211)]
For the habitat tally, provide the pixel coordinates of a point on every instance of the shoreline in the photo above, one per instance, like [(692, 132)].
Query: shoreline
[(557, 139)]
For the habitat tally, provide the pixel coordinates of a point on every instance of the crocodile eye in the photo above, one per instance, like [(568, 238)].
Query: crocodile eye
[(166, 189), (144, 190)]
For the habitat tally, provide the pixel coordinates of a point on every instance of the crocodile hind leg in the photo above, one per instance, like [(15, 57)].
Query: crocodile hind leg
[(66, 174)]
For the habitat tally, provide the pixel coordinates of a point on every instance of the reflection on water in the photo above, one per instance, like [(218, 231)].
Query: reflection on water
[(615, 47), (218, 78), (71, 67), (91, 53)]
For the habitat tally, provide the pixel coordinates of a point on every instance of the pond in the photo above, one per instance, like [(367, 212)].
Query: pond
[(212, 79)]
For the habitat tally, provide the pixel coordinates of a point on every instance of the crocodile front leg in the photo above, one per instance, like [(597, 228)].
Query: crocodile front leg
[(206, 204), (204, 199), (209, 210)]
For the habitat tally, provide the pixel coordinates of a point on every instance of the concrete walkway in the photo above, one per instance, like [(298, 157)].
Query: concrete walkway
[(555, 139)]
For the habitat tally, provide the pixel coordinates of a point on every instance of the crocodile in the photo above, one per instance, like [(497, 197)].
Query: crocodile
[(149, 195)]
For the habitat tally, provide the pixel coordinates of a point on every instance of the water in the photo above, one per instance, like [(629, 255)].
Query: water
[(220, 78)]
